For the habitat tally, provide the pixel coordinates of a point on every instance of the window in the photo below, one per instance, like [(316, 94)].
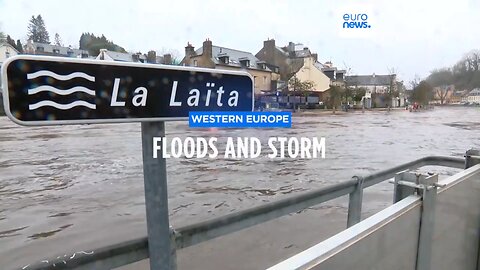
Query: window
[(264, 79), (7, 54), (56, 51), (195, 63), (39, 49), (245, 63), (224, 59)]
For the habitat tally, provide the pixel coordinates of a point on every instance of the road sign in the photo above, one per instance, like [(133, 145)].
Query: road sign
[(42, 90)]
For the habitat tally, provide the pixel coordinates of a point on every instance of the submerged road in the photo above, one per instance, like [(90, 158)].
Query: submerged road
[(72, 188)]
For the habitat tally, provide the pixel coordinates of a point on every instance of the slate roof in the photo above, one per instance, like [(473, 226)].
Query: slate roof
[(234, 57), (118, 56), (368, 80), (7, 44), (299, 53), (475, 92), (302, 53), (125, 57), (49, 48), (281, 50)]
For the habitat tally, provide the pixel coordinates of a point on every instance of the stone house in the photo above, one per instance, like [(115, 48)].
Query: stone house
[(6, 51), (211, 56), (299, 61), (377, 87), (38, 48)]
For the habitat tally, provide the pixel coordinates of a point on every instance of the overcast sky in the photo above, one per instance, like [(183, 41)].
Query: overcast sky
[(410, 36)]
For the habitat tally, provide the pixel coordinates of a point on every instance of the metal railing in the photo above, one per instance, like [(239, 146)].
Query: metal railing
[(132, 251)]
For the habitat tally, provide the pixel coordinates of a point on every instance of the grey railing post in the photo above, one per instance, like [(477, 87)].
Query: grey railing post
[(427, 222), (173, 249), (400, 192), (472, 157), (355, 203)]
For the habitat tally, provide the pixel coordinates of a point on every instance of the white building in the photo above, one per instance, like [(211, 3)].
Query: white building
[(6, 51), (474, 96)]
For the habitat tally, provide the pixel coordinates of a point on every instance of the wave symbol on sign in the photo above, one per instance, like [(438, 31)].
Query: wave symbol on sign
[(62, 92)]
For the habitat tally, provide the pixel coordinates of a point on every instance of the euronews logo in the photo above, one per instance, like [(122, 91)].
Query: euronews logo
[(356, 21)]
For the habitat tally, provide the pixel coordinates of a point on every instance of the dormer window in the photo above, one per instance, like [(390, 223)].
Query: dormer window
[(244, 62), (224, 59), (262, 66)]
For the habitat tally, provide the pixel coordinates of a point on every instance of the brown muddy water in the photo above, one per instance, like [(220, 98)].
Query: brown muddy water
[(70, 188)]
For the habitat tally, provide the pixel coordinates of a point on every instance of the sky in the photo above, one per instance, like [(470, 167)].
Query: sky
[(409, 37)]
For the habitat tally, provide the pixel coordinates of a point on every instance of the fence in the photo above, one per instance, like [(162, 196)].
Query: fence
[(433, 229), (132, 251)]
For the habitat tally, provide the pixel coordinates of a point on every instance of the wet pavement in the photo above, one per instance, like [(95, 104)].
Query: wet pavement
[(78, 187)]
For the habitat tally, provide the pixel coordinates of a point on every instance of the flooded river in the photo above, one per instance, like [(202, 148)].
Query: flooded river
[(71, 187)]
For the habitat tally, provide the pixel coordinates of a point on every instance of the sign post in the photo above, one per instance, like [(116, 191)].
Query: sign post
[(41, 90), (156, 198)]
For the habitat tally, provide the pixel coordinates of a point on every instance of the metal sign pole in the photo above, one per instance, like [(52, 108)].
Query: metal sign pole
[(156, 198)]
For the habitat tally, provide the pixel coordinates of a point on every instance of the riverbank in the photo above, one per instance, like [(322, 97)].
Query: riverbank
[(340, 112)]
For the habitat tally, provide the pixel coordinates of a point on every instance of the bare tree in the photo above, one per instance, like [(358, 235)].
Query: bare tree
[(442, 92), (58, 40), (441, 80), (472, 60), (391, 92), (415, 81)]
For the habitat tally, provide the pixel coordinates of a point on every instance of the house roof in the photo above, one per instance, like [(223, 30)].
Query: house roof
[(460, 93), (125, 57), (234, 57), (8, 45), (281, 50), (299, 52), (118, 56), (475, 92), (303, 53), (369, 79), (49, 48)]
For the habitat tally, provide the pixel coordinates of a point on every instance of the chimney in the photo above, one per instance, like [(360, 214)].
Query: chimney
[(207, 48), (167, 59), (315, 57), (102, 54), (30, 47), (136, 57), (152, 57), (269, 45), (291, 46), (189, 50)]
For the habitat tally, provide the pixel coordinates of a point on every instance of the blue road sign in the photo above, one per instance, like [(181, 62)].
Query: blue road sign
[(42, 90)]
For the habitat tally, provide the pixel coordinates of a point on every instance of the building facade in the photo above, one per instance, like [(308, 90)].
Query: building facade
[(6, 51), (210, 56), (296, 60), (379, 89), (54, 50), (474, 96)]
